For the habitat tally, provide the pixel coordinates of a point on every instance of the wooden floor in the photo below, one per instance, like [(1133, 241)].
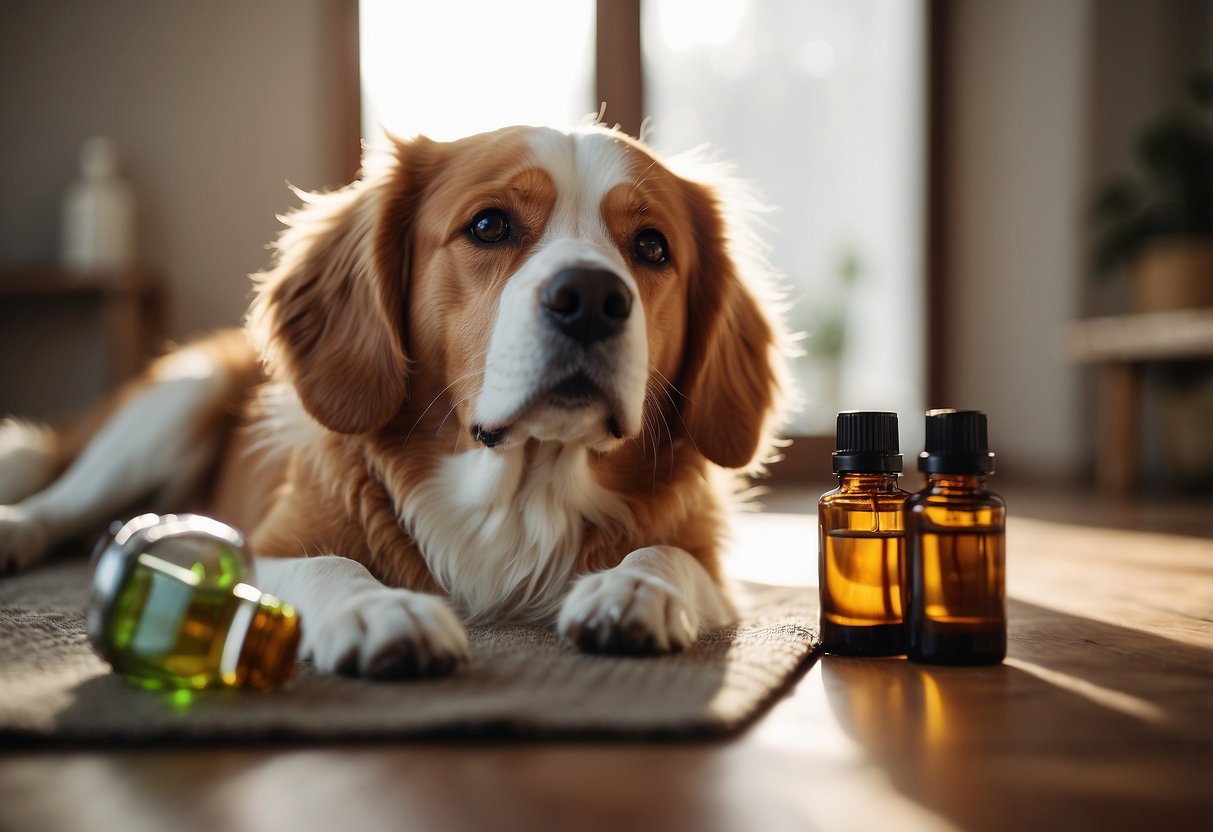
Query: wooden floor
[(1101, 718)]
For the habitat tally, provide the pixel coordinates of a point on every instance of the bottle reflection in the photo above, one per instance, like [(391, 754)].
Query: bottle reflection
[(920, 722)]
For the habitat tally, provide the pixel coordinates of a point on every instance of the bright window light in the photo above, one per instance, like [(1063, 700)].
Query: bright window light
[(451, 69), (821, 104), (687, 24)]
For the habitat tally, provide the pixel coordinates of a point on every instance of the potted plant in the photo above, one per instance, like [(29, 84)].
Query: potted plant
[(822, 317), (1159, 223)]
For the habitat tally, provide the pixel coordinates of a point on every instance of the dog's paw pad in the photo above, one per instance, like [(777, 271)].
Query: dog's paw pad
[(23, 539), (387, 634), (627, 612)]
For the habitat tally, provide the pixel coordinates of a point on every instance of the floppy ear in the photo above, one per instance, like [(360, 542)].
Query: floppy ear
[(329, 314), (731, 374)]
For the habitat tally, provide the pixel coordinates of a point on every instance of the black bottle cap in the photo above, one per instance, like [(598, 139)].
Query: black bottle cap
[(956, 443), (867, 443)]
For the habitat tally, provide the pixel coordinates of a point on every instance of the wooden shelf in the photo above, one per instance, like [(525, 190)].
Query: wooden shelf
[(130, 303), (1121, 346), (1157, 336)]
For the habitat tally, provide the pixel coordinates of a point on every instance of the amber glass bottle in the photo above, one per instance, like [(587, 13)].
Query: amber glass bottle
[(861, 543), (955, 542)]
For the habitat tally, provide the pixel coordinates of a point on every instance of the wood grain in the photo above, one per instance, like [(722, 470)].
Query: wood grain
[(1099, 719)]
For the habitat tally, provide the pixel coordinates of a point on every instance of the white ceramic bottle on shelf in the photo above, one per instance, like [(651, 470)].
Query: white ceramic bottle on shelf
[(98, 213)]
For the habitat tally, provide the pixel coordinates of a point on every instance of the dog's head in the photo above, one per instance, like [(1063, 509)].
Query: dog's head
[(563, 287)]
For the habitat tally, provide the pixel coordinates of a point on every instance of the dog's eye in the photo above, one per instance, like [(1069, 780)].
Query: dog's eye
[(651, 248), (490, 226)]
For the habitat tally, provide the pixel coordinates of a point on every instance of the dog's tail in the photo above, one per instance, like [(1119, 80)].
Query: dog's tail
[(157, 438)]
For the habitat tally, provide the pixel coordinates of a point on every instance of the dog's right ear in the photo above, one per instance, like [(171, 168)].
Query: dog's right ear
[(329, 314)]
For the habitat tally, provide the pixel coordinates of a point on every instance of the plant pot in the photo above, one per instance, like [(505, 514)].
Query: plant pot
[(1173, 273)]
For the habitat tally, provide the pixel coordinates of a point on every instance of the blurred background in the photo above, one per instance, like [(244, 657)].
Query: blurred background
[(967, 196)]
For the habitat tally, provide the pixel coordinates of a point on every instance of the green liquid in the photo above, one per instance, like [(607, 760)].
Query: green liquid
[(167, 632)]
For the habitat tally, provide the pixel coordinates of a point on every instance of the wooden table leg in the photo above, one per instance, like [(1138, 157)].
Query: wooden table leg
[(121, 324), (1117, 460), (133, 323)]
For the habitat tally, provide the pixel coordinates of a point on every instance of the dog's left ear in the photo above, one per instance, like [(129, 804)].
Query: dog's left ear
[(730, 378), (329, 314)]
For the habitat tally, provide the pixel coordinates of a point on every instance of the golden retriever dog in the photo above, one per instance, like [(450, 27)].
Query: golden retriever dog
[(492, 380)]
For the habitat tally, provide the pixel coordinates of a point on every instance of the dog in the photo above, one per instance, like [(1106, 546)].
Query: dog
[(494, 379)]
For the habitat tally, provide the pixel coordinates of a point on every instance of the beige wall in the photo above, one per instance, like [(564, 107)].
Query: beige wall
[(214, 107), (1048, 96), (1016, 176)]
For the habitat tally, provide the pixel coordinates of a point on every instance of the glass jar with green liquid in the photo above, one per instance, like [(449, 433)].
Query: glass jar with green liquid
[(173, 605), (861, 540), (955, 537)]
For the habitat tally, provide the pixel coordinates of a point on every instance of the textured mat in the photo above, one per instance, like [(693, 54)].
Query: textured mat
[(523, 682)]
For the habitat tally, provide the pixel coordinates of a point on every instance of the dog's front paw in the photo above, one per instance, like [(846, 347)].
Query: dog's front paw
[(386, 634), (23, 539), (627, 611)]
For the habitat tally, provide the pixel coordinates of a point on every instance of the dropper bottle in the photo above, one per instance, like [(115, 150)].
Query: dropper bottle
[(956, 547), (861, 542)]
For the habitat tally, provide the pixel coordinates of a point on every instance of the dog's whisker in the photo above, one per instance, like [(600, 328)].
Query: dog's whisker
[(667, 384), (666, 387), (653, 427), (435, 401), (453, 408), (669, 434)]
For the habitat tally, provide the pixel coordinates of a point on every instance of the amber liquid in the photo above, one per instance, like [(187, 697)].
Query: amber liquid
[(956, 577), (862, 548)]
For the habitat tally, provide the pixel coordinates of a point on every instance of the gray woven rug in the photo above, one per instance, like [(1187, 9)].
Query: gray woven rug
[(523, 682)]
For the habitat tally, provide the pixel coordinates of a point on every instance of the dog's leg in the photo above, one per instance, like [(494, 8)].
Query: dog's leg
[(355, 625), (156, 441), (657, 600), (27, 460)]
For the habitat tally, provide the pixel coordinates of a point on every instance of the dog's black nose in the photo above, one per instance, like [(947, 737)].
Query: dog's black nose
[(587, 305)]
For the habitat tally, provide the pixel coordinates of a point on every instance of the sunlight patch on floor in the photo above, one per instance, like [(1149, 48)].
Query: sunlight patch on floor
[(771, 548), (1125, 703)]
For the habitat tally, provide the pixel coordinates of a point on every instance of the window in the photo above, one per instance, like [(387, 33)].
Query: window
[(820, 103), (450, 69)]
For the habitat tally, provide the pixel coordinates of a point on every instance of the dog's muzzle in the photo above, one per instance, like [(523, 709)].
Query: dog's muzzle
[(567, 359)]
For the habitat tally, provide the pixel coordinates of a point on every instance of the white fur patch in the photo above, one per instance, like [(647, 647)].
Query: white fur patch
[(151, 445), (283, 424), (354, 624), (525, 354), (659, 599), (26, 465), (585, 166), (501, 530)]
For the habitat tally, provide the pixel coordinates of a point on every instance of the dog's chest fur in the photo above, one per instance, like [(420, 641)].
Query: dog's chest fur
[(502, 532)]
